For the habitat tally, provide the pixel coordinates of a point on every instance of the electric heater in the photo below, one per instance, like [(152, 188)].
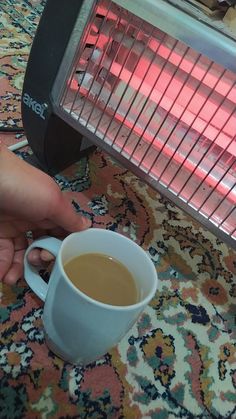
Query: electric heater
[(150, 82)]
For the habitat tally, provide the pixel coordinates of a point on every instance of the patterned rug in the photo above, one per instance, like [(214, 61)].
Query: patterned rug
[(179, 359)]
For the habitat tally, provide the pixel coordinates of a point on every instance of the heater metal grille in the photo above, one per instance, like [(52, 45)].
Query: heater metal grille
[(167, 109)]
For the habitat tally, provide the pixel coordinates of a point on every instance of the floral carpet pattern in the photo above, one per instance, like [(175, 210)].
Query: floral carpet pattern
[(179, 359)]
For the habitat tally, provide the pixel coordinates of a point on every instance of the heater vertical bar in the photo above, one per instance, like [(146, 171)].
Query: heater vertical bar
[(127, 85), (188, 129), (211, 144), (220, 203), (226, 217), (233, 233), (102, 84), (207, 152), (164, 120), (219, 181), (125, 91), (81, 47), (147, 100), (148, 97), (88, 61), (78, 35), (94, 102)]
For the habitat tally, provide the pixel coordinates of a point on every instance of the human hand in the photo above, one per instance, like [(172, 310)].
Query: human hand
[(29, 201)]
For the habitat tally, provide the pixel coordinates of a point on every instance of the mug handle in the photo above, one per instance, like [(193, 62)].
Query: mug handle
[(32, 277)]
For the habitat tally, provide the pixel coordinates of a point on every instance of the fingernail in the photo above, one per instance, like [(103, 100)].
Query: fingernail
[(86, 222), (46, 256)]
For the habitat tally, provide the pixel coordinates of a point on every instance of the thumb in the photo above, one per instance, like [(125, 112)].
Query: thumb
[(66, 217)]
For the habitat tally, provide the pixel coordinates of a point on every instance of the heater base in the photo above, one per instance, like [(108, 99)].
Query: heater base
[(33, 160)]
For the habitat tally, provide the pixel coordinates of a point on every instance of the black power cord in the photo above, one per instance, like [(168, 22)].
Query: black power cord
[(11, 129)]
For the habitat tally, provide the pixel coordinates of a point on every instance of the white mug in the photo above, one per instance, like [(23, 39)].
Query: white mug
[(78, 328)]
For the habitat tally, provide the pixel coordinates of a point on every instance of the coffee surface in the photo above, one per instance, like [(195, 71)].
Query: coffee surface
[(102, 278)]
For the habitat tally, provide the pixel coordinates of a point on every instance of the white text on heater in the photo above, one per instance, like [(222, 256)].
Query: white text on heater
[(36, 107)]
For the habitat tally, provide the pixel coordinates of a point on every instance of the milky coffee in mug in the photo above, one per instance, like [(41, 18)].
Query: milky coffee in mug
[(102, 278)]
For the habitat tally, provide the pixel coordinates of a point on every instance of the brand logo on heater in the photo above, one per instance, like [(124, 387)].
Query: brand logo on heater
[(38, 108)]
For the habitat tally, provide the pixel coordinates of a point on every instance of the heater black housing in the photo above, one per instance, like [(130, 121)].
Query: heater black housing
[(55, 144)]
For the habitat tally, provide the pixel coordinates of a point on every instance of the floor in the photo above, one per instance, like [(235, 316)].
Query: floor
[(179, 359)]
